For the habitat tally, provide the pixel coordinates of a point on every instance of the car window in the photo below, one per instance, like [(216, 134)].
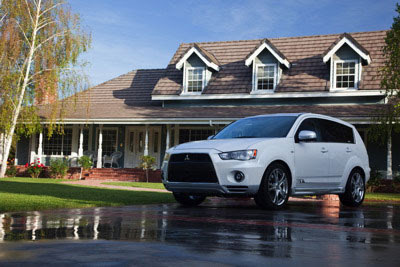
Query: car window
[(334, 132), (309, 125)]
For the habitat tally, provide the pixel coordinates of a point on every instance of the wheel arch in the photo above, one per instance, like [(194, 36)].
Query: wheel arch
[(286, 166)]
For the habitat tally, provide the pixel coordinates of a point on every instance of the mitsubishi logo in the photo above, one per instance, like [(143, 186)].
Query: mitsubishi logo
[(187, 157)]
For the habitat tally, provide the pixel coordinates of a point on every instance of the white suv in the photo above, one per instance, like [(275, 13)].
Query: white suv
[(270, 157)]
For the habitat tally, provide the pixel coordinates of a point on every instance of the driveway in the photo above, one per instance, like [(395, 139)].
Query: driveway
[(219, 232)]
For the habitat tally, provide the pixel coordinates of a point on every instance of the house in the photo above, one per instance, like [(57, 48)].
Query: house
[(208, 85)]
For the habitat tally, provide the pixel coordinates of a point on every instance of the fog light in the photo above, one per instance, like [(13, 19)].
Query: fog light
[(239, 176)]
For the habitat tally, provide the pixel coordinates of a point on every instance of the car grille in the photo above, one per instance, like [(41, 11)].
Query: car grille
[(192, 168)]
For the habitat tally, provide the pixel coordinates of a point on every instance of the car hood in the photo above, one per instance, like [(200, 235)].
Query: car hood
[(223, 145)]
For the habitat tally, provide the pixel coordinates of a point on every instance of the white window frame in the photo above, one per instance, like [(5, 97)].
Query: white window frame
[(96, 145), (186, 80), (62, 150), (357, 71), (255, 77)]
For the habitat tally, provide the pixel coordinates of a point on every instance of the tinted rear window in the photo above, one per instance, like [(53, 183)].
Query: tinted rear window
[(334, 132)]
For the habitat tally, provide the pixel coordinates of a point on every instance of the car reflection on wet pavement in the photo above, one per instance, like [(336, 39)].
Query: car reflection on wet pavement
[(231, 232)]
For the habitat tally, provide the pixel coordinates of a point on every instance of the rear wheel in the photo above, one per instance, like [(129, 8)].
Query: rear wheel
[(274, 189), (189, 200), (355, 190)]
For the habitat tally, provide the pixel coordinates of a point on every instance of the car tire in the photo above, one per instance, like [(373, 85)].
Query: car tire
[(355, 189), (274, 188), (188, 200)]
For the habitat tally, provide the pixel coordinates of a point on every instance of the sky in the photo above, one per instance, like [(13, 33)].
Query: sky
[(130, 34)]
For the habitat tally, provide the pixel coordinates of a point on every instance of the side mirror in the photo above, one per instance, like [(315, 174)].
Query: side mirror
[(210, 137), (306, 136)]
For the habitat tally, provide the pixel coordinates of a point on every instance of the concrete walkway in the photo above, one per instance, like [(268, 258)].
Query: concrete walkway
[(99, 183)]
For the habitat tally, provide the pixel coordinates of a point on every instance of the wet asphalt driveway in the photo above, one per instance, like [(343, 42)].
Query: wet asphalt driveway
[(219, 232)]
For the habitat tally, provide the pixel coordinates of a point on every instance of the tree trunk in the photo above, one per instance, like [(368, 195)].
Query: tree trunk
[(9, 133), (389, 171)]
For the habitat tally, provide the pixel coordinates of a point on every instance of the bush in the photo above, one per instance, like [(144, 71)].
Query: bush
[(35, 168), (377, 184), (11, 171), (85, 162), (58, 168)]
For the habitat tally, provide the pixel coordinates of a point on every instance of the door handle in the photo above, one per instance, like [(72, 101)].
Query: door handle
[(324, 150), (348, 149)]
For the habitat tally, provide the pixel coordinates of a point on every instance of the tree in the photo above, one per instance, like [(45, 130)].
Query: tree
[(388, 121), (40, 43)]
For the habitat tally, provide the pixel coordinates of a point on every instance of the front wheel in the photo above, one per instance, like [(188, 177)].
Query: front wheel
[(274, 189), (355, 190), (189, 200)]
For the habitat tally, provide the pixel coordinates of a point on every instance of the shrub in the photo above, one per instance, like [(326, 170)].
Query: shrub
[(35, 168), (11, 171), (58, 168), (85, 162), (148, 162)]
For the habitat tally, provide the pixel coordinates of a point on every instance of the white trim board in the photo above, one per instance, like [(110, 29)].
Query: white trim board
[(263, 46), (209, 64), (268, 95), (328, 56)]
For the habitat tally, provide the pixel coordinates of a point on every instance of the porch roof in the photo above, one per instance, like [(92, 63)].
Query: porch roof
[(114, 113)]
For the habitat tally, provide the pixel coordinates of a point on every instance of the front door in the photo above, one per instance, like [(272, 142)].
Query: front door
[(135, 138)]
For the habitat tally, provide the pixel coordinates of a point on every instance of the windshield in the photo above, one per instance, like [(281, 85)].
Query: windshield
[(258, 127)]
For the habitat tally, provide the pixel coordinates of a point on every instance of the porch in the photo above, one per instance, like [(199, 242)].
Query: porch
[(110, 145)]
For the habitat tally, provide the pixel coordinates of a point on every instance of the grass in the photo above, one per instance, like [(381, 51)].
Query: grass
[(382, 197), (137, 184), (24, 194)]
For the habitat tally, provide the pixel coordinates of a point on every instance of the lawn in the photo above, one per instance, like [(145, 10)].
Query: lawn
[(382, 197), (23, 194), (137, 184)]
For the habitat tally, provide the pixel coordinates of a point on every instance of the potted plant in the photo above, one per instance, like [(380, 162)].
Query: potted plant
[(86, 163), (148, 162)]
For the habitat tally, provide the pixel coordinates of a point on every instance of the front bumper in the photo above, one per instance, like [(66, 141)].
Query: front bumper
[(225, 170)]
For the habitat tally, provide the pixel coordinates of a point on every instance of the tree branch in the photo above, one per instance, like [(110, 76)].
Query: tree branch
[(29, 11), (50, 8), (51, 37)]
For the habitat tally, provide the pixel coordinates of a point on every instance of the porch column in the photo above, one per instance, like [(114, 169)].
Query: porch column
[(40, 146), (80, 150), (167, 144), (176, 134), (146, 142), (99, 147)]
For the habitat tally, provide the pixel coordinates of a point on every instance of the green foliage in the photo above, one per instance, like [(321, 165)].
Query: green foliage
[(58, 168), (388, 120), (85, 162), (11, 171), (148, 162), (18, 194)]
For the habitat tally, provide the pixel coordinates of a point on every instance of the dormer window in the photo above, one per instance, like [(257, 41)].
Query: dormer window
[(346, 57), (266, 76), (346, 74), (198, 66), (195, 79), (268, 63)]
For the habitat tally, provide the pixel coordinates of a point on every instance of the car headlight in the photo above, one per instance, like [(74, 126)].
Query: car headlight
[(239, 155)]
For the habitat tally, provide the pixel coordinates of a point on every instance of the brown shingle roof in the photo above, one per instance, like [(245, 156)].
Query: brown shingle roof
[(308, 72), (276, 50), (120, 111), (351, 39)]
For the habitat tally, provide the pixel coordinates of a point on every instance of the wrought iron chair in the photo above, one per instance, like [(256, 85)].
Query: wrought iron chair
[(113, 159)]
